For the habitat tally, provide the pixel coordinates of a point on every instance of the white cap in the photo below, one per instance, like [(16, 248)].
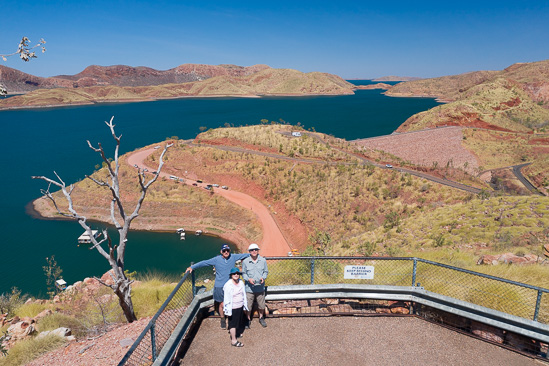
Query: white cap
[(253, 246)]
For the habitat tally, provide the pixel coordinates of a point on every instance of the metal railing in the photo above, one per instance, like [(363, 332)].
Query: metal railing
[(149, 343), (501, 295)]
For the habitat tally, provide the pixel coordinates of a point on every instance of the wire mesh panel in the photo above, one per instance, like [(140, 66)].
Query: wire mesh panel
[(396, 272), (543, 312), (291, 271), (478, 289), (491, 292), (205, 278), (161, 326)]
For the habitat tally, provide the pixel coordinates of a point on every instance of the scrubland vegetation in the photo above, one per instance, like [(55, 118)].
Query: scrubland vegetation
[(346, 206), (86, 317)]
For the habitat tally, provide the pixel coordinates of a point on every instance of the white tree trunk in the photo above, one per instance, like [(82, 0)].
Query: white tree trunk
[(115, 256)]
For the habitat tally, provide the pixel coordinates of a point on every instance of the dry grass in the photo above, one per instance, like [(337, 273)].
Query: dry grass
[(28, 350), (343, 200), (496, 225), (345, 208), (497, 104)]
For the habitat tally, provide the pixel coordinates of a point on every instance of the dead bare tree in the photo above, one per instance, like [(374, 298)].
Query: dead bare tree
[(115, 255)]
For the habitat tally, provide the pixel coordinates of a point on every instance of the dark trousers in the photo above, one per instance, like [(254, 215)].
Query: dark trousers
[(236, 320)]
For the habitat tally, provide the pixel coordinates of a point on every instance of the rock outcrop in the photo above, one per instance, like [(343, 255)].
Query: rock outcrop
[(508, 258)]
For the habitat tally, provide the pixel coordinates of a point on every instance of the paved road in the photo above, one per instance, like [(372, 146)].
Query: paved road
[(518, 173), (443, 181)]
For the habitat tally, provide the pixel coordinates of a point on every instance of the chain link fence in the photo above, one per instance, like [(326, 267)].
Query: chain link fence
[(155, 335), (499, 294), (510, 297)]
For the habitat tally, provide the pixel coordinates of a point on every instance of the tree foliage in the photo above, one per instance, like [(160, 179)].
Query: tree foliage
[(25, 52), (52, 271)]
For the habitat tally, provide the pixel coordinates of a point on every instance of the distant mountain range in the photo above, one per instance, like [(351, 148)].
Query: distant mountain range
[(124, 83), (121, 75)]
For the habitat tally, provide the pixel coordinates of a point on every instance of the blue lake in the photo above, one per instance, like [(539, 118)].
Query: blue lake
[(40, 141)]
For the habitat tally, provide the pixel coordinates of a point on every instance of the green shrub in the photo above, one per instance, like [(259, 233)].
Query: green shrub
[(11, 301)]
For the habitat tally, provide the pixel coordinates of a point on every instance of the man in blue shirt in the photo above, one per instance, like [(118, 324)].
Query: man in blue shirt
[(223, 264)]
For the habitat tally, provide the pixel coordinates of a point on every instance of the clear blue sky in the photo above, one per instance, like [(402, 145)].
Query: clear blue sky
[(353, 39)]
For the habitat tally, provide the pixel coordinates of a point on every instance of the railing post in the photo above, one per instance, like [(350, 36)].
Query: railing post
[(414, 272), (193, 281), (538, 303), (153, 343), (312, 271)]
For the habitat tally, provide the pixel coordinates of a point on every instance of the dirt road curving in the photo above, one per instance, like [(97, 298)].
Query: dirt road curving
[(273, 242)]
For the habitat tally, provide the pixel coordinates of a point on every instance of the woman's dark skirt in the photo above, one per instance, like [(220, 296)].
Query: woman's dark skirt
[(236, 320)]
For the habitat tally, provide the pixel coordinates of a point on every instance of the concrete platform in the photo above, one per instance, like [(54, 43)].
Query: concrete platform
[(346, 340)]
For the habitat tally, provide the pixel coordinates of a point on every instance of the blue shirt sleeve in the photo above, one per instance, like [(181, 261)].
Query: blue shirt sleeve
[(204, 263), (241, 256)]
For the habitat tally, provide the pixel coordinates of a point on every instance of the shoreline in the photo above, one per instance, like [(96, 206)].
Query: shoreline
[(435, 97), (31, 210), (117, 101)]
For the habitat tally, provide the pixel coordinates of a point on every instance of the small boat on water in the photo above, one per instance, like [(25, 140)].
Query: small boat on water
[(182, 236), (85, 238), (198, 232), (180, 230)]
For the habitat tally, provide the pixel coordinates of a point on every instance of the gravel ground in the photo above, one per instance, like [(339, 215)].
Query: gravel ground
[(426, 147), (346, 340), (103, 351)]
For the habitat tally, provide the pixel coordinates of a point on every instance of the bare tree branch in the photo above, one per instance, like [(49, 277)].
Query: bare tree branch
[(116, 252)]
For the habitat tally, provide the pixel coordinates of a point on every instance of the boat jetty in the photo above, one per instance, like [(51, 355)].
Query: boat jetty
[(85, 238)]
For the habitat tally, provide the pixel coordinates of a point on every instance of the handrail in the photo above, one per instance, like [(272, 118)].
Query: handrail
[(321, 266), (152, 322)]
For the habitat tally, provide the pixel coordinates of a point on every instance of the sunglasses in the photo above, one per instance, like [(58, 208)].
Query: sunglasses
[(226, 250), (254, 250), (232, 274)]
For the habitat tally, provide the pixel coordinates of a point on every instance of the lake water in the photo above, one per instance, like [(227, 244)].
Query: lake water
[(39, 141)]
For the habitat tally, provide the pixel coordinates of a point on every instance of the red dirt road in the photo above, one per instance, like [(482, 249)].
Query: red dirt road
[(273, 242)]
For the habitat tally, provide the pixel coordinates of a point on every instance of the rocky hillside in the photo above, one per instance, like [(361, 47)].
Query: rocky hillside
[(121, 75), (231, 81), (532, 77), (505, 116)]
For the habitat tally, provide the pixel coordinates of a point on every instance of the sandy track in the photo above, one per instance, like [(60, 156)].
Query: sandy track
[(273, 242)]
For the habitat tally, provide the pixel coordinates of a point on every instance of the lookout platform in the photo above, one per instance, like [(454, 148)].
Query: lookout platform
[(381, 340)]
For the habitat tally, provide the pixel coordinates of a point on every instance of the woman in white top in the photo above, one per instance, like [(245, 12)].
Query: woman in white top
[(233, 305)]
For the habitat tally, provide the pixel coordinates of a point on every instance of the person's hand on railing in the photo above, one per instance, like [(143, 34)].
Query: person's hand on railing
[(189, 270)]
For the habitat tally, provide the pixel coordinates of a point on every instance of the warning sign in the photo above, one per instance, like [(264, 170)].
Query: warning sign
[(359, 272)]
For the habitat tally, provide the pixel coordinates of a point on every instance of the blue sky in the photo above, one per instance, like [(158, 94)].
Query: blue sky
[(353, 39)]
